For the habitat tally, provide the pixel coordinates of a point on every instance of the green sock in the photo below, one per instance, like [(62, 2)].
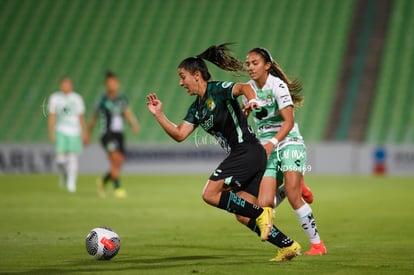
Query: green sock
[(117, 183), (106, 178), (232, 203), (276, 236)]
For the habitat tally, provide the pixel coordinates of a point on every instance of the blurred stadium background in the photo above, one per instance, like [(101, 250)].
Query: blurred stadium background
[(354, 57)]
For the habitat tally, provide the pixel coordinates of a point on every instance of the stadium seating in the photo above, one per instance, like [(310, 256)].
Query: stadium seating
[(143, 41), (392, 118)]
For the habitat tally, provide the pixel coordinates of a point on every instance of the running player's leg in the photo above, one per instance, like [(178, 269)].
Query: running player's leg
[(293, 187), (61, 158), (61, 163), (117, 160), (74, 149), (113, 144), (267, 191), (214, 195), (307, 194), (280, 193), (72, 171), (267, 186), (276, 237)]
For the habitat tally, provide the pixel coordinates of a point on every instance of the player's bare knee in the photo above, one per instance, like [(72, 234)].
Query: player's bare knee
[(266, 202)]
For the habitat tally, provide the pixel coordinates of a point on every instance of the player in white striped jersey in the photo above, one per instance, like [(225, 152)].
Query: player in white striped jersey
[(279, 133), (67, 129)]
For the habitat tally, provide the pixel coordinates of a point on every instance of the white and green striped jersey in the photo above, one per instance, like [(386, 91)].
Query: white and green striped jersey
[(273, 97), (67, 108)]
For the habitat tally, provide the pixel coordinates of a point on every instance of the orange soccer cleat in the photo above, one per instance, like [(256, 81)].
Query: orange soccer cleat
[(306, 193), (317, 249)]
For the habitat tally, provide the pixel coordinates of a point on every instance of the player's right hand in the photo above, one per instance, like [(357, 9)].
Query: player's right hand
[(154, 104)]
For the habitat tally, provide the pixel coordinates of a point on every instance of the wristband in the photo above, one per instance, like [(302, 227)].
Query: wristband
[(274, 141), (253, 100)]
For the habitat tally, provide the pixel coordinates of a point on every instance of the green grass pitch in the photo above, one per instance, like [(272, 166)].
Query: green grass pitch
[(165, 228)]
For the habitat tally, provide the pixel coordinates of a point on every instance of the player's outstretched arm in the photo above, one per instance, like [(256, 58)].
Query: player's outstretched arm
[(130, 117), (250, 95), (85, 135), (51, 126), (92, 123), (178, 133)]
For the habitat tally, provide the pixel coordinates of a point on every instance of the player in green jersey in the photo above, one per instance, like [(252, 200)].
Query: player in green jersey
[(279, 133), (234, 185), (67, 130), (112, 109)]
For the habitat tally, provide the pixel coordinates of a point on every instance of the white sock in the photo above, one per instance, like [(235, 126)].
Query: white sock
[(72, 172), (308, 223), (61, 162)]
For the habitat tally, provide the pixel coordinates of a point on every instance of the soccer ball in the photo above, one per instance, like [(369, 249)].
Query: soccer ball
[(103, 243)]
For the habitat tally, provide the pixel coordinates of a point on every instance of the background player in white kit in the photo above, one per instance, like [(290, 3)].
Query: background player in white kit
[(67, 129)]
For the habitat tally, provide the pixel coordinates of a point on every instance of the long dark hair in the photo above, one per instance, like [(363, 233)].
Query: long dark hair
[(295, 87), (218, 55)]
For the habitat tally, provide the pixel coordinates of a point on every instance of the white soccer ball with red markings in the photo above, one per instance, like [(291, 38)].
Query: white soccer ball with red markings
[(103, 243)]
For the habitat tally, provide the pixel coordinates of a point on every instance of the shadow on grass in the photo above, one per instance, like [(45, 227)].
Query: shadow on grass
[(131, 264)]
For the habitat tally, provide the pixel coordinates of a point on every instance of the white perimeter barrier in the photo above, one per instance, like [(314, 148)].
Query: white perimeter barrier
[(324, 158)]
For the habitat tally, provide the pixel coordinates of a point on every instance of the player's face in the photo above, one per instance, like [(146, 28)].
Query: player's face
[(112, 84), (257, 67), (188, 81), (66, 86)]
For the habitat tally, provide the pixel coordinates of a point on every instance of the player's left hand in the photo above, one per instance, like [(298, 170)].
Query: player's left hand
[(250, 106), (246, 110), (135, 128)]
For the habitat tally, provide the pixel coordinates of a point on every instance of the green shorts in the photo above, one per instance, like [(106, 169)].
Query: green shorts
[(68, 144), (289, 158)]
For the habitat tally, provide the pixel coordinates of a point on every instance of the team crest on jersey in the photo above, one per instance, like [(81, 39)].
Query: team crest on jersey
[(269, 100), (210, 104)]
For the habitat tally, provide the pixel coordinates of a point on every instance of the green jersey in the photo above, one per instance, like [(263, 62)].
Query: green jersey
[(219, 114), (273, 97), (111, 113)]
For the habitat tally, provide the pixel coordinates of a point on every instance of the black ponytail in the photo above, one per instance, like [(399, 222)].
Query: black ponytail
[(218, 55)]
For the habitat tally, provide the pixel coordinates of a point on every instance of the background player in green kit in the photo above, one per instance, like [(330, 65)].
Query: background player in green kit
[(66, 129), (112, 109), (234, 185), (277, 129)]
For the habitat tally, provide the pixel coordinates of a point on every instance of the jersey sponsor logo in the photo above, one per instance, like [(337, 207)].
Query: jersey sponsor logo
[(208, 123), (285, 98), (226, 84)]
